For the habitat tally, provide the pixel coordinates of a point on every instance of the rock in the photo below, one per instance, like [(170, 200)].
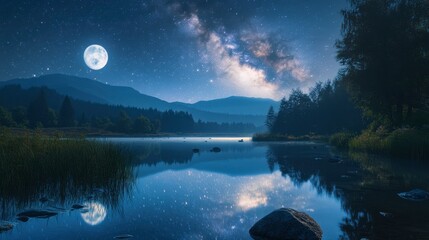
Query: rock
[(215, 149), (286, 223), (37, 213), (415, 195), (241, 140), (77, 206), (195, 150), (124, 236), (5, 226), (23, 219)]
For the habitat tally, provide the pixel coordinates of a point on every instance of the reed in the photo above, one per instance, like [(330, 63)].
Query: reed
[(33, 165)]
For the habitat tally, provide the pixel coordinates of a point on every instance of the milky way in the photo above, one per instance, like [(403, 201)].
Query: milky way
[(177, 50)]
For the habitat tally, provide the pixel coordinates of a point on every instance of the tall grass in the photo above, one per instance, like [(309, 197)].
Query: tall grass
[(33, 165), (404, 143)]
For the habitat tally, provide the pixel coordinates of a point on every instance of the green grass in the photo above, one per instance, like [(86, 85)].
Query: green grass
[(33, 165), (341, 139), (404, 143)]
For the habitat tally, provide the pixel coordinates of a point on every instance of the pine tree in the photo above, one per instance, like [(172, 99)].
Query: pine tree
[(66, 118), (39, 113), (271, 118)]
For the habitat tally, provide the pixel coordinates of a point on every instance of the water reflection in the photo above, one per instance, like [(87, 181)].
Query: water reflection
[(182, 194), (366, 185), (94, 214)]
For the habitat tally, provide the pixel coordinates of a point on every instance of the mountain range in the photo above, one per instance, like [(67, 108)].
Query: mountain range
[(231, 109)]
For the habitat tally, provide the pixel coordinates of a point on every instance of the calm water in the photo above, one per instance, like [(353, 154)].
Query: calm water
[(179, 194)]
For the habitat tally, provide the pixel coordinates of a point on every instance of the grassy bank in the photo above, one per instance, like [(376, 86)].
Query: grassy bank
[(406, 143), (34, 165), (267, 137)]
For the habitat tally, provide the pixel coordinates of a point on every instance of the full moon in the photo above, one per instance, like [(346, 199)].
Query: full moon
[(95, 57)]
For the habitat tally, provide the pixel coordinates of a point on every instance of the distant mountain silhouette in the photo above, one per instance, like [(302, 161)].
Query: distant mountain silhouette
[(236, 105), (94, 91)]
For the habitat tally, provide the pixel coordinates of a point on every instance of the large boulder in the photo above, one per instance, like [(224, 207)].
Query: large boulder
[(287, 224)]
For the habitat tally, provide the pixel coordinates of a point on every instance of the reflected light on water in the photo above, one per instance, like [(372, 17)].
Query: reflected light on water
[(254, 193), (96, 213)]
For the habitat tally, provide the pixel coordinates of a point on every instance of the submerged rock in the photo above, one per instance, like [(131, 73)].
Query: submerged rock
[(215, 149), (23, 219), (124, 236), (77, 206), (37, 213), (286, 223), (415, 195), (195, 150), (5, 226)]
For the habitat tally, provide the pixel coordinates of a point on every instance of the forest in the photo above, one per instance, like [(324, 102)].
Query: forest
[(44, 108), (379, 101)]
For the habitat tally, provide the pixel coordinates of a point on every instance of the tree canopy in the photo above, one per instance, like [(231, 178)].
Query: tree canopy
[(384, 51)]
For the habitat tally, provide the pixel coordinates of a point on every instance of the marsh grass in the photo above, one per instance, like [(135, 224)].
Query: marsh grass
[(268, 137), (33, 165), (404, 143)]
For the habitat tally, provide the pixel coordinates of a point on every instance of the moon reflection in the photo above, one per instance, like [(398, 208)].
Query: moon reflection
[(96, 213)]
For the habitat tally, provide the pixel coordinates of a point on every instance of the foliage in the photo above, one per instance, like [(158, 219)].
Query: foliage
[(385, 53), (341, 139), (271, 118), (66, 116), (33, 165), (39, 112), (6, 118), (26, 104), (325, 110)]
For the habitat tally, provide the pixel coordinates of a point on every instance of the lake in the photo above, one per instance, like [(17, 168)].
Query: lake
[(182, 189)]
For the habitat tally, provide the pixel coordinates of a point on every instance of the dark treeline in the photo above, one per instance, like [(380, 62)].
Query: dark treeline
[(384, 52), (43, 107), (326, 109)]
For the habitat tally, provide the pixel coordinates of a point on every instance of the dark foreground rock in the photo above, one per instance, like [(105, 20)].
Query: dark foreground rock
[(286, 223)]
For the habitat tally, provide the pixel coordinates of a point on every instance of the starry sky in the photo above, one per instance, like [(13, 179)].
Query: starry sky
[(176, 50)]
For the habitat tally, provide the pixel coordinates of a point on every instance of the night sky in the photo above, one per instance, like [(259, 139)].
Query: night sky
[(176, 50)]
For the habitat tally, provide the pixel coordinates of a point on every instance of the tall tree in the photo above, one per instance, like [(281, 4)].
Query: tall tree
[(66, 117), (142, 125), (39, 113), (385, 53), (271, 118)]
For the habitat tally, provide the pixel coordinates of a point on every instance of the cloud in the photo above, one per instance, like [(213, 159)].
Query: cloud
[(243, 78), (254, 64), (274, 52), (255, 192)]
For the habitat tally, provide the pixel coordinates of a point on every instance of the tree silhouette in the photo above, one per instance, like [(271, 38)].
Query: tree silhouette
[(142, 125), (385, 53), (39, 113), (66, 117), (271, 118)]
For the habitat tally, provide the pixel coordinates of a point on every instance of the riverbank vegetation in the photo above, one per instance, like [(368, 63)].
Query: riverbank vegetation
[(379, 101), (34, 166)]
